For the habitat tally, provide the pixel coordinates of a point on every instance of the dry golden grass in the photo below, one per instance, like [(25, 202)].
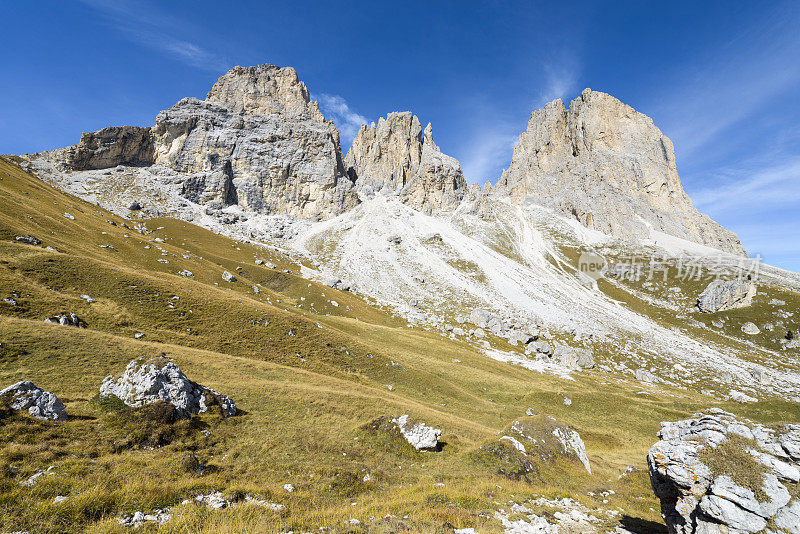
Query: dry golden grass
[(305, 398)]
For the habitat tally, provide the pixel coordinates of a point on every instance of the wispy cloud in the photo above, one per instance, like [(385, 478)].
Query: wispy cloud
[(147, 26), (488, 151), (733, 82), (336, 108), (486, 148), (752, 191), (561, 81)]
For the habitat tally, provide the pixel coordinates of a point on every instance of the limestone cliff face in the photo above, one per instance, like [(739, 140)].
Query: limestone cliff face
[(396, 153), (609, 167), (257, 141), (265, 90), (116, 145)]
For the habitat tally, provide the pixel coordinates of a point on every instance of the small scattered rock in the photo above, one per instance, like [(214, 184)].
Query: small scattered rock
[(34, 478), (137, 519), (66, 320), (573, 358), (341, 285), (419, 435), (28, 239), (738, 396), (721, 295), (750, 329), (228, 277), (643, 375)]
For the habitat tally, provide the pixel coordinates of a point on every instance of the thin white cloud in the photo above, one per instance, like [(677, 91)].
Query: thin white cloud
[(487, 151), (146, 26), (752, 191), (561, 81), (347, 121)]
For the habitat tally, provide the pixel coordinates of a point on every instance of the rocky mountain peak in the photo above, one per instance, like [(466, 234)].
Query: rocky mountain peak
[(608, 166), (257, 142), (264, 89), (387, 152), (397, 154)]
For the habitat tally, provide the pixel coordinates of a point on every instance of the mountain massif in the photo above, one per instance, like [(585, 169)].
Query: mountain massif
[(259, 142), (310, 337)]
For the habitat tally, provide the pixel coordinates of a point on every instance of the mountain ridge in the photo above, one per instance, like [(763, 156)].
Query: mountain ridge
[(362, 309), (623, 182)]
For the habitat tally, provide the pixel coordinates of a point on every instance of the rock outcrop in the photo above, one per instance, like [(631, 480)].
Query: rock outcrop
[(721, 295), (109, 147), (534, 439), (146, 383), (717, 474), (397, 154), (608, 166), (418, 435), (257, 141), (37, 402), (66, 319)]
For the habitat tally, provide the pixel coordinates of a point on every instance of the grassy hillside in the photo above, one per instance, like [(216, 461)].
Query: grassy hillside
[(308, 376)]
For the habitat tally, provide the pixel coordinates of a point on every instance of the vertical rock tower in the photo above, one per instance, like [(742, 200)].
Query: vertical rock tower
[(608, 166), (256, 141), (397, 154)]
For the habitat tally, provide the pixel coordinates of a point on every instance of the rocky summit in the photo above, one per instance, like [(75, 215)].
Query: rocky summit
[(399, 351), (398, 155), (256, 141), (608, 166)]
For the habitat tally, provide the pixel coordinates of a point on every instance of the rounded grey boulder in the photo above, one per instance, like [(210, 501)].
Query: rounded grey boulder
[(39, 403)]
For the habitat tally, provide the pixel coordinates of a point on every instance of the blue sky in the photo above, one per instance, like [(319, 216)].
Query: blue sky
[(721, 79)]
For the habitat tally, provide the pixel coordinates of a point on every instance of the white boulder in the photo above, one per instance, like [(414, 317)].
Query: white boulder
[(419, 435), (146, 383), (39, 403)]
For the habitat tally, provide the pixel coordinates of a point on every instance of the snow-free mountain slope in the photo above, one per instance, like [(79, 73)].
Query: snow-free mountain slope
[(528, 336), (608, 166)]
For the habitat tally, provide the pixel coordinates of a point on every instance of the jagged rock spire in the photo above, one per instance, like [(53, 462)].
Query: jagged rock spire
[(608, 166), (397, 154)]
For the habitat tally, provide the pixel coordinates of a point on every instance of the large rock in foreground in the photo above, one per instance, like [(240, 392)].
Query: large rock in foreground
[(721, 295), (146, 383), (717, 474), (608, 166), (39, 403), (418, 435)]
